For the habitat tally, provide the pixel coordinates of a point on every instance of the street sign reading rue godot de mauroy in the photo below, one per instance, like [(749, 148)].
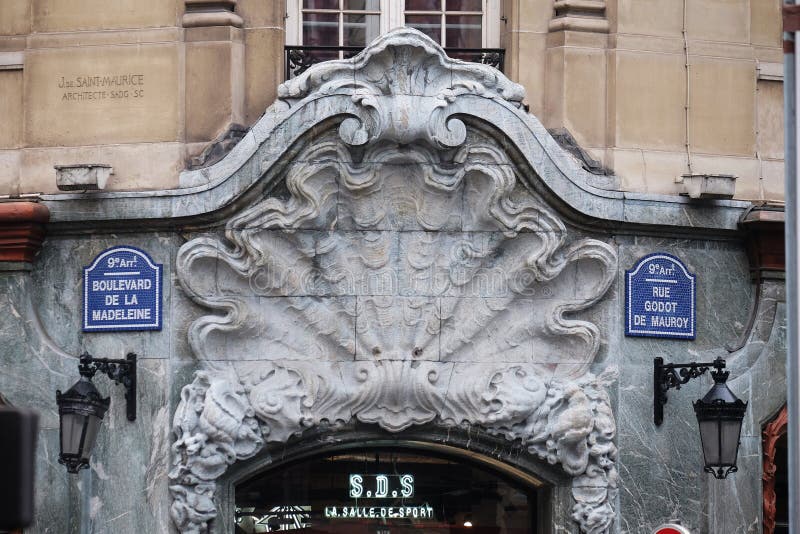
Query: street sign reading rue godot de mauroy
[(660, 298), (122, 291)]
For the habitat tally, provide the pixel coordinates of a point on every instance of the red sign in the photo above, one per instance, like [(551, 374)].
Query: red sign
[(671, 529)]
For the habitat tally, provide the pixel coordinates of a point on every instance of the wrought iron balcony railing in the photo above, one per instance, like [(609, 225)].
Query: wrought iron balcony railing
[(299, 58)]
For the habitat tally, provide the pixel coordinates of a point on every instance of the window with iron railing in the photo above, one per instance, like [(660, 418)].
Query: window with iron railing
[(319, 30)]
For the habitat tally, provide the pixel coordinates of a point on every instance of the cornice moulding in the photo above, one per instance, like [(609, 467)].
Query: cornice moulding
[(579, 15), (22, 230), (578, 24), (200, 13)]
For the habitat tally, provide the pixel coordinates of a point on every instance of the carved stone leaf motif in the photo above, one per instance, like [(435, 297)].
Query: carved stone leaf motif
[(411, 280), (214, 427)]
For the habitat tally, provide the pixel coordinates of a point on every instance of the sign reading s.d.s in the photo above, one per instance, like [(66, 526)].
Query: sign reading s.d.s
[(122, 291), (660, 298), (381, 486)]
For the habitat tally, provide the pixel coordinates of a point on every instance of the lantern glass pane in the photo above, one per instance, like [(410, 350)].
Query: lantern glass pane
[(92, 428), (730, 441), (709, 435), (71, 431)]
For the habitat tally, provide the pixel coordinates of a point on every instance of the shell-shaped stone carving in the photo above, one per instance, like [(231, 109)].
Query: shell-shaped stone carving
[(407, 286), (401, 272), (403, 255)]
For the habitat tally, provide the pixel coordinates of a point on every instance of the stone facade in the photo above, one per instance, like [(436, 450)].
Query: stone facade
[(651, 89), (396, 250)]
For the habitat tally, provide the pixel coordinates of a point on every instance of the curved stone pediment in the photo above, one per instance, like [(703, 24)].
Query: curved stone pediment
[(401, 88), (404, 273), (403, 85)]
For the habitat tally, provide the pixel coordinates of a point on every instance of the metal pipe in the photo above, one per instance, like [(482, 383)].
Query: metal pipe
[(790, 97), (686, 114)]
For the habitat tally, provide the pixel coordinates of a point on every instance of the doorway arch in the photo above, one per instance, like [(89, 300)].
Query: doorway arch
[(478, 455)]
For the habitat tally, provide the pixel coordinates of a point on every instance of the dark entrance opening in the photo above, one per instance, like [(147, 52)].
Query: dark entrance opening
[(385, 491), (782, 486)]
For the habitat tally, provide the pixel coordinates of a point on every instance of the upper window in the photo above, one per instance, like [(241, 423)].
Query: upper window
[(451, 23), (355, 23), (340, 22)]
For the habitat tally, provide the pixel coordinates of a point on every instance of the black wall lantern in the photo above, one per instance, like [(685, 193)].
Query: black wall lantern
[(81, 408), (719, 413)]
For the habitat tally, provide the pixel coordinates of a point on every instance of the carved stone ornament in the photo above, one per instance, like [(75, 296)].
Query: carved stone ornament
[(402, 274)]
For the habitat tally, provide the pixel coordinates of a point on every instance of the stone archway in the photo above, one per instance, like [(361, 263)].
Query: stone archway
[(305, 465), (402, 270)]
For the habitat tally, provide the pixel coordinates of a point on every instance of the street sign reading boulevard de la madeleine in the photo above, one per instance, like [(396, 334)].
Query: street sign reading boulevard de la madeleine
[(122, 292), (660, 298)]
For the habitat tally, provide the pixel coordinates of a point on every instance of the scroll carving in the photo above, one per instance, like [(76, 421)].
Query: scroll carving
[(403, 84), (214, 426)]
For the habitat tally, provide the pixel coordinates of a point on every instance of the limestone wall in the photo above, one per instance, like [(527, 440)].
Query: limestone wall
[(618, 82), (135, 85)]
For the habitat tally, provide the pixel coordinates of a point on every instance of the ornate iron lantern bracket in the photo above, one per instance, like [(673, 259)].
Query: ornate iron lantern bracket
[(120, 371), (673, 375)]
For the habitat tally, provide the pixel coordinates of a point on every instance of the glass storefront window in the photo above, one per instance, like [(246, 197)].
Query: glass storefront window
[(384, 492)]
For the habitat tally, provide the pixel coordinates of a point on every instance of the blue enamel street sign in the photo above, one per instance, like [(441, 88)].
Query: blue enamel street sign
[(660, 298), (122, 291)]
